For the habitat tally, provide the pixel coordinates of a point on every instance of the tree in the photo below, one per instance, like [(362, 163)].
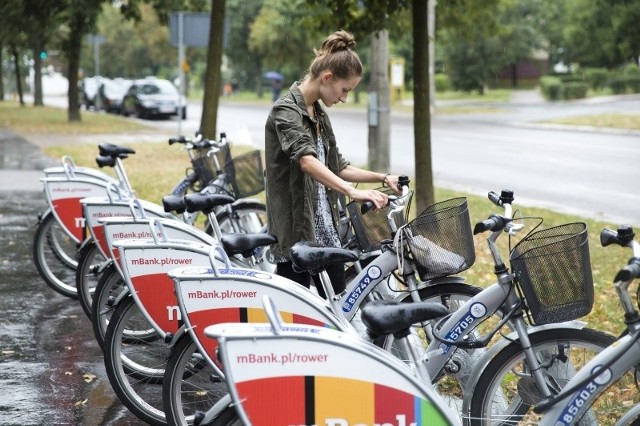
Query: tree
[(80, 17), (208, 121), (245, 63), (603, 33), (421, 108)]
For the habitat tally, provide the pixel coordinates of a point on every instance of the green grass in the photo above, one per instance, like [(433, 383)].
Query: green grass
[(170, 166), (29, 119), (619, 121)]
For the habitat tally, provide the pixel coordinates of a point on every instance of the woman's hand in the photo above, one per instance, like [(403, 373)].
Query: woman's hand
[(379, 199), (391, 181)]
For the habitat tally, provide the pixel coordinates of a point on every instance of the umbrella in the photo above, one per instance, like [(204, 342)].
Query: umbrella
[(273, 75)]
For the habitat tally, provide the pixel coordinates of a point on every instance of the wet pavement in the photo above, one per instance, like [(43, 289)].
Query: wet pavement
[(51, 368)]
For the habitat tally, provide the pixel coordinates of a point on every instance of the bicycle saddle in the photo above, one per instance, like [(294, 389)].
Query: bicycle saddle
[(314, 258), (245, 243), (206, 202), (384, 317), (173, 203), (111, 150)]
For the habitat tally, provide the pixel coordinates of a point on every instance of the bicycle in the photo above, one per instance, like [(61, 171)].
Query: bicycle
[(60, 229), (548, 289), (295, 374), (587, 398), (146, 313), (238, 179), (184, 399)]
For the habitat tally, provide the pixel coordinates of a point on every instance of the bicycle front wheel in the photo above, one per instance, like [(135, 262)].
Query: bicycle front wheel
[(110, 286), (506, 392), (54, 254), (135, 357), (190, 385), (91, 262)]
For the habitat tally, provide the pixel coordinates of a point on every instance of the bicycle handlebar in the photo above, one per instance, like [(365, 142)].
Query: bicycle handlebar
[(629, 272), (403, 185), (496, 222)]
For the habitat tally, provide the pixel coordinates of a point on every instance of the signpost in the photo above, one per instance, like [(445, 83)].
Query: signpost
[(187, 29), (97, 40)]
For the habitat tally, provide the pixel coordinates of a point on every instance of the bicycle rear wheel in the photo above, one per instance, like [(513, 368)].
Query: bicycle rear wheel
[(190, 385), (506, 392), (55, 256), (135, 366)]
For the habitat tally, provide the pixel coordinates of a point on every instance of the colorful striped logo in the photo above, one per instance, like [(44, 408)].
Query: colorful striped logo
[(332, 401)]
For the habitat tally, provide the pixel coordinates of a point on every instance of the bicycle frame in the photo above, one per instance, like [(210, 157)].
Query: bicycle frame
[(322, 373)]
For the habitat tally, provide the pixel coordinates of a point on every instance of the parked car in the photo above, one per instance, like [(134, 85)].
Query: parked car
[(153, 97), (112, 92)]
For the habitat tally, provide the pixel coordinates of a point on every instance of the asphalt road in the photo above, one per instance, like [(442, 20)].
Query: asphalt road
[(586, 171)]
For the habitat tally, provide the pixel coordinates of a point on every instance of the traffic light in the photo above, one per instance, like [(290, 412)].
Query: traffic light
[(43, 54)]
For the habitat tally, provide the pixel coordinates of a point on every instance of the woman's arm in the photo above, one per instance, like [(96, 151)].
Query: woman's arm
[(313, 167), (355, 174)]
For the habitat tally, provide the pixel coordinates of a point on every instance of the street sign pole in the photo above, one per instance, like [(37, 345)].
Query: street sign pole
[(180, 70)]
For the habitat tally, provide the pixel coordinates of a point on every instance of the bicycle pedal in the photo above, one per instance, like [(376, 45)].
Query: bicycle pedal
[(168, 338), (528, 391), (111, 301)]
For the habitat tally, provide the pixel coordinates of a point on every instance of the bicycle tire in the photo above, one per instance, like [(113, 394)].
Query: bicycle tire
[(505, 383), (135, 369), (90, 266), (54, 254), (190, 385), (109, 286), (631, 417), (242, 218)]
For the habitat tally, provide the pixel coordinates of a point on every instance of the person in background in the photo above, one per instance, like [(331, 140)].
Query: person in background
[(305, 172), (276, 86)]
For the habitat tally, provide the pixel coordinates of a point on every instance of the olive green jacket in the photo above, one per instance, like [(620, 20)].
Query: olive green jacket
[(290, 133)]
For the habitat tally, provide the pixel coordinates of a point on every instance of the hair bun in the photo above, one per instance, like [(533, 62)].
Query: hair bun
[(340, 40)]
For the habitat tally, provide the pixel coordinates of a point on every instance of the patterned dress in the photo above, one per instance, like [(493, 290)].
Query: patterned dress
[(326, 233)]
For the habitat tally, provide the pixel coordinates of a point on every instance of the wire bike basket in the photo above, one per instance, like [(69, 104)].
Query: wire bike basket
[(372, 228), (205, 166), (440, 239), (553, 270), (245, 174)]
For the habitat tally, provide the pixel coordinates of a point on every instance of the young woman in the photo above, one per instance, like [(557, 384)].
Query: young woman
[(305, 172)]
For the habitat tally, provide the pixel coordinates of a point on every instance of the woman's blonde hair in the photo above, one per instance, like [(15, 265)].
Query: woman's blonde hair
[(337, 55)]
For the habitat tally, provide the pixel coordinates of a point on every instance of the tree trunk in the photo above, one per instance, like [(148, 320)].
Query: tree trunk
[(208, 122), (1, 74), (37, 76), (16, 61), (421, 108), (379, 103), (74, 44)]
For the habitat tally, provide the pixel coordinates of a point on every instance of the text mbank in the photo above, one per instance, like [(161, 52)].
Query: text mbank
[(401, 420)]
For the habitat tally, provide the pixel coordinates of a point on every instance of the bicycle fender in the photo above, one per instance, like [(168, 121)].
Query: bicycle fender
[(499, 346)]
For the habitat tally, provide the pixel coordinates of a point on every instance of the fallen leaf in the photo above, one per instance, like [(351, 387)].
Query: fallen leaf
[(89, 378), (68, 373), (8, 352), (79, 403)]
